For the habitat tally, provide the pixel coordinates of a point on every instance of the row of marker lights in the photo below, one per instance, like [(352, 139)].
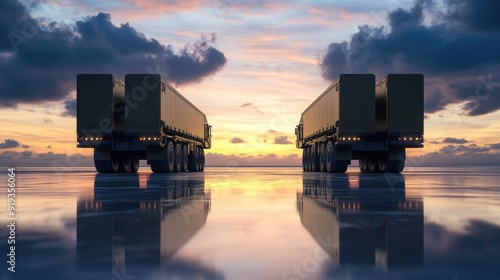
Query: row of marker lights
[(350, 138), (91, 138), (409, 138), (149, 138)]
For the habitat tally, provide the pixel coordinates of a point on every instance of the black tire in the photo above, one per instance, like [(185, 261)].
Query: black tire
[(382, 165), (395, 166), (178, 157), (170, 156), (309, 165), (373, 165), (314, 159), (202, 159), (125, 166), (166, 165), (322, 157), (330, 157), (307, 159), (197, 162), (193, 160), (135, 165), (333, 165), (184, 167), (107, 166), (304, 155)]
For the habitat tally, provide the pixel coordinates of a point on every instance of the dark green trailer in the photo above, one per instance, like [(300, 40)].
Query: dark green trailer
[(354, 118), (143, 118)]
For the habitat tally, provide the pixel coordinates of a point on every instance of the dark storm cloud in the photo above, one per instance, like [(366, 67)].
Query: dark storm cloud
[(479, 15), (9, 143), (495, 146), (452, 155), (282, 140), (39, 60), (459, 149), (236, 140), (194, 62), (70, 107), (452, 140), (457, 52), (13, 15), (30, 158)]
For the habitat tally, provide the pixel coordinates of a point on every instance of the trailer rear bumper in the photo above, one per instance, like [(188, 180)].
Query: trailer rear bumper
[(407, 141), (92, 143), (409, 144)]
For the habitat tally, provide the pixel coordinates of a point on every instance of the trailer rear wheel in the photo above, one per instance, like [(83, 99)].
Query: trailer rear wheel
[(166, 165), (178, 157), (322, 157), (307, 159), (198, 159), (333, 165), (202, 159), (304, 155), (373, 165), (170, 156), (310, 159), (125, 165), (193, 160), (107, 166), (396, 166), (314, 159), (330, 157), (382, 165), (135, 165), (184, 157)]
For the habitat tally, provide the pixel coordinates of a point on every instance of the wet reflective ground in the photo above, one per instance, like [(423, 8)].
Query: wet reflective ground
[(255, 223)]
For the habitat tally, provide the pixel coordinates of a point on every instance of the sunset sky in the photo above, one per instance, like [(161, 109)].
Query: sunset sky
[(252, 67)]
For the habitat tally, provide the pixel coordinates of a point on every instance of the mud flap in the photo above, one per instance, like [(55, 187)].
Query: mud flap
[(156, 153), (343, 153), (102, 153)]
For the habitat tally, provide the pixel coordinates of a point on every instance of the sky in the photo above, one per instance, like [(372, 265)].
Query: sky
[(252, 67)]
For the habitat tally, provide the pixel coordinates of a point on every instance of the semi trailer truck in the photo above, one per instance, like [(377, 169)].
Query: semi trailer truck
[(358, 119), (143, 118)]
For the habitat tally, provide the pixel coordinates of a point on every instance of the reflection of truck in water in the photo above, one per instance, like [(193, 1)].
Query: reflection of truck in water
[(369, 223), (143, 118), (355, 118), (140, 227)]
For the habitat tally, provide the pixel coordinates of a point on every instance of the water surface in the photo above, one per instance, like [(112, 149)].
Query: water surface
[(255, 223)]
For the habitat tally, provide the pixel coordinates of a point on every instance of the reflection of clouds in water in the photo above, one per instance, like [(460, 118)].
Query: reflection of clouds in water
[(255, 228)]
